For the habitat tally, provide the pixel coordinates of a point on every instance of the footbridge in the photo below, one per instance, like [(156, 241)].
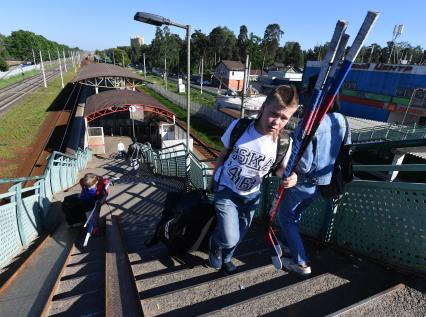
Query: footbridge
[(367, 249)]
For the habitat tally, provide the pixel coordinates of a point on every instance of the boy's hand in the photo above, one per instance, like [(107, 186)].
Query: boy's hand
[(290, 181)]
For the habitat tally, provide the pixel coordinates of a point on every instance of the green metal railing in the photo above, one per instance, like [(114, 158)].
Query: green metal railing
[(379, 219), (24, 209), (171, 161), (391, 132)]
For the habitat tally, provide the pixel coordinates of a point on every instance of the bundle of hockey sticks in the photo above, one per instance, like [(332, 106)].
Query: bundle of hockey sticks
[(328, 84)]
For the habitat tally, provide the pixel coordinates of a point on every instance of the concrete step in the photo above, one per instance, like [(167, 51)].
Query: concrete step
[(208, 291), (192, 300), (189, 271), (80, 285), (157, 258), (292, 294), (80, 289), (318, 295), (407, 299), (92, 302)]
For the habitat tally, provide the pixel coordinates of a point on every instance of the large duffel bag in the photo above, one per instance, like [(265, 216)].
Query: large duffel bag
[(75, 209), (187, 221)]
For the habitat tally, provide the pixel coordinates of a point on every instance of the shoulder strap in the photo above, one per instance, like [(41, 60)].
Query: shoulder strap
[(238, 130), (100, 185), (345, 139), (283, 143)]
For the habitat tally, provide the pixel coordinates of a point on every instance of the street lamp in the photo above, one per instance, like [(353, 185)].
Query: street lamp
[(158, 20)]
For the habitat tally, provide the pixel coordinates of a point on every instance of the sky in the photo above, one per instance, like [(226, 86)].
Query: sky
[(104, 24)]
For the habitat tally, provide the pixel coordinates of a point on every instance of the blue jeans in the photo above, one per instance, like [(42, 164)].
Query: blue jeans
[(294, 202), (234, 215)]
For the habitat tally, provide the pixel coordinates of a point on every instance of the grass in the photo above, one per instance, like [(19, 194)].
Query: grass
[(19, 126), (203, 129)]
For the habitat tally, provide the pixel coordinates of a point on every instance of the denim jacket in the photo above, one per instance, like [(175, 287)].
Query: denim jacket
[(316, 164)]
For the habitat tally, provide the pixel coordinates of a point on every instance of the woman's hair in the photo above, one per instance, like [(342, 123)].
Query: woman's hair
[(311, 85), (90, 179)]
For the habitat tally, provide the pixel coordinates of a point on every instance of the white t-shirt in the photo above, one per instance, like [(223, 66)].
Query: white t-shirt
[(251, 158), (120, 147)]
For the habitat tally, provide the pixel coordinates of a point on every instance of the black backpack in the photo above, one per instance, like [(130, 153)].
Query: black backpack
[(187, 221), (342, 171), (282, 143)]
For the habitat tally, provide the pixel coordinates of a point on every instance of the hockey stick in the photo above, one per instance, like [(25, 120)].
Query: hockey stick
[(90, 223)]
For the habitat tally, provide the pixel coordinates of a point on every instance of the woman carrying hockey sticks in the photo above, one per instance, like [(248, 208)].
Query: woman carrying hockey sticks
[(315, 168), (241, 167)]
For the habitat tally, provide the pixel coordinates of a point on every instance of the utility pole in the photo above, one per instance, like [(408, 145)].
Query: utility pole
[(113, 57), (144, 68), (122, 56), (50, 60), (65, 60), (165, 72), (244, 86), (201, 79), (60, 68), (42, 70), (74, 62), (33, 57)]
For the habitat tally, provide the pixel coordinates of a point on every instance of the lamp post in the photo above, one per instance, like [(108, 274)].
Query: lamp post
[(410, 103), (132, 109), (158, 20)]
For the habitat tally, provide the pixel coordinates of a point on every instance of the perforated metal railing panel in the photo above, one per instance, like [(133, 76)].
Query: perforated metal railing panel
[(314, 219), (386, 221), (21, 218), (30, 214), (10, 243)]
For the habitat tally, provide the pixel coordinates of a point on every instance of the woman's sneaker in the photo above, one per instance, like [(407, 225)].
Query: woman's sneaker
[(215, 256), (276, 262), (294, 267)]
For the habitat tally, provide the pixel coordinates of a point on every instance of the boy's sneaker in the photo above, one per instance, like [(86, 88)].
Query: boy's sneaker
[(215, 256), (294, 267), (229, 268)]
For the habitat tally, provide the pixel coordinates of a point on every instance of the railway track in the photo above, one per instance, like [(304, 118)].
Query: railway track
[(202, 147), (12, 93), (58, 121)]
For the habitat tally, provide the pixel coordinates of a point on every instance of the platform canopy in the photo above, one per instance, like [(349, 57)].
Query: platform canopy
[(106, 75), (117, 100)]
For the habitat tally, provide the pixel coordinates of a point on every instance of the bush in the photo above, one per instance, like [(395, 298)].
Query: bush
[(3, 65)]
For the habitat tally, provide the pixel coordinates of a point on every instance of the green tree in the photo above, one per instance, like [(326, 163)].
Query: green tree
[(243, 43), (222, 43), (254, 49), (3, 65), (290, 54), (199, 48), (270, 43)]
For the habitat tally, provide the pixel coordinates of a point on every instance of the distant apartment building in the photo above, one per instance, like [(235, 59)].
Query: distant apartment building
[(136, 41)]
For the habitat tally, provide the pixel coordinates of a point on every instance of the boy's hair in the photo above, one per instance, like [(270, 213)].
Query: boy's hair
[(90, 179), (284, 96)]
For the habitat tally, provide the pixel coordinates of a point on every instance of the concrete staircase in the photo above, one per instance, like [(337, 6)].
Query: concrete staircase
[(341, 284), (186, 286)]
